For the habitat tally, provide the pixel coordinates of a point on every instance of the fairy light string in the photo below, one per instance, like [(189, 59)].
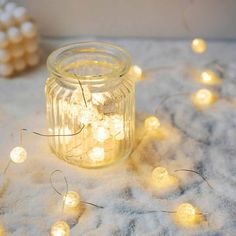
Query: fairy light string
[(185, 210), (197, 173), (67, 189), (70, 199)]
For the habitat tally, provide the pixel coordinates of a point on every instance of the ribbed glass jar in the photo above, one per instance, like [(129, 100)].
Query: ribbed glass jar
[(90, 104)]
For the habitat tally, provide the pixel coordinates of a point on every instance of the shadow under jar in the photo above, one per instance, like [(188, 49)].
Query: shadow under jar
[(90, 104)]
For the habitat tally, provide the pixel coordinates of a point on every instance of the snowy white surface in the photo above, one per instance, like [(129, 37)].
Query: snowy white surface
[(204, 141)]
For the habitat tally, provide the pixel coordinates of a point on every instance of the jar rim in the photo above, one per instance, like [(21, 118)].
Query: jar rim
[(122, 55)]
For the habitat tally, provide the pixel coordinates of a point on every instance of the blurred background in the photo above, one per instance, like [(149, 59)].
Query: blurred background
[(214, 19)]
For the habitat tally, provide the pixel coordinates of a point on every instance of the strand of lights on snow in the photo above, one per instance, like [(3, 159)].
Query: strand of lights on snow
[(185, 214), (188, 216), (71, 200)]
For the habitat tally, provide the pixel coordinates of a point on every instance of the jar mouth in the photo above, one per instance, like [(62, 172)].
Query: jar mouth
[(89, 62)]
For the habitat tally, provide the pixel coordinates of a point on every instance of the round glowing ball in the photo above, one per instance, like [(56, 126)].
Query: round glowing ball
[(204, 97), (60, 228), (18, 155), (209, 77), (159, 173), (97, 154), (186, 213), (152, 123), (136, 72), (101, 134), (199, 45), (71, 199)]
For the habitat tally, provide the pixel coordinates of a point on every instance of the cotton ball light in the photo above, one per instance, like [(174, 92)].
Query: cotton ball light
[(14, 34), (186, 214), (5, 56), (6, 69), (203, 98), (18, 155), (136, 72), (32, 59), (60, 228), (6, 19), (4, 42), (98, 98), (10, 6), (28, 29), (101, 133), (97, 154), (209, 77), (71, 199), (19, 64), (159, 173), (20, 14), (199, 45), (152, 123)]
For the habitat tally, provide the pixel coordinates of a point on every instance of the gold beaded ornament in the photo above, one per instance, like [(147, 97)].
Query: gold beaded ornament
[(19, 48)]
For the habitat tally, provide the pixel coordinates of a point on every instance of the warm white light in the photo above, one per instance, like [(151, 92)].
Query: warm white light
[(101, 133), (186, 213), (209, 77), (60, 228), (199, 45), (97, 154), (71, 199), (136, 71), (159, 173), (203, 97), (98, 98), (18, 155), (86, 114), (152, 123)]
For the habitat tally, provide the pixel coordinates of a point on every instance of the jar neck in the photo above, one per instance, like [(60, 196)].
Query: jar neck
[(94, 64)]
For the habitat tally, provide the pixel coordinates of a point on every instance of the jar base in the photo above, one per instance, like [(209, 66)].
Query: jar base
[(96, 165)]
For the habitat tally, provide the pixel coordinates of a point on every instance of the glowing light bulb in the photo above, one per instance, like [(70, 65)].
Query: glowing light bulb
[(98, 98), (152, 123), (159, 174), (71, 199), (186, 213), (204, 97), (97, 154), (136, 72), (209, 77), (199, 45), (101, 134), (18, 155), (87, 114), (60, 228)]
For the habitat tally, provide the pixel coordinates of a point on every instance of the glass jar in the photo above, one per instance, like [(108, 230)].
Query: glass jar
[(90, 104)]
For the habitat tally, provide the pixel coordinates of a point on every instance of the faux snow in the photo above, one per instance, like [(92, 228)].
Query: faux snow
[(204, 141)]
